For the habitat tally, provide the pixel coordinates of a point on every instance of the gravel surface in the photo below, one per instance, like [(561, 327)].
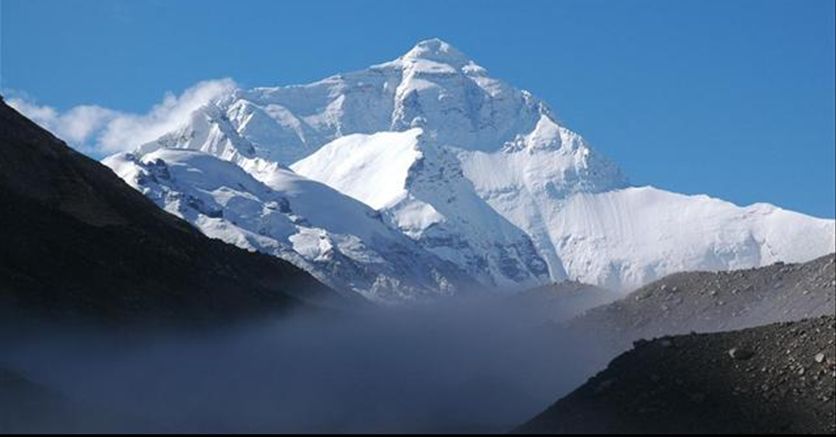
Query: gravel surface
[(777, 378)]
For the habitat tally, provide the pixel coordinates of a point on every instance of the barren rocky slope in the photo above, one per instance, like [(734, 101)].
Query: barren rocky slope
[(772, 379), (715, 301)]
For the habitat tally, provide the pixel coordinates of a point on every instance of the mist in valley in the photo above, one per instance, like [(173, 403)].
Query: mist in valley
[(466, 366)]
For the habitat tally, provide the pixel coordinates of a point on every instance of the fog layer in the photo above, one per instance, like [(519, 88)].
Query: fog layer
[(464, 367)]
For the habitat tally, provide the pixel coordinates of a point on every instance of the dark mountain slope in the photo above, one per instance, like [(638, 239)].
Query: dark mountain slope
[(76, 240), (771, 379)]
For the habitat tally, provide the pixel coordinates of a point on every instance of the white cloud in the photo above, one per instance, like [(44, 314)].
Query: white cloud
[(75, 126), (99, 131)]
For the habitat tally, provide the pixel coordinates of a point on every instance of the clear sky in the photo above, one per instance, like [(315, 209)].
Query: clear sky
[(730, 98)]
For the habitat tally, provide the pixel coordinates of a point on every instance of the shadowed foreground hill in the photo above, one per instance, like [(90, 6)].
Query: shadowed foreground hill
[(77, 241), (772, 379)]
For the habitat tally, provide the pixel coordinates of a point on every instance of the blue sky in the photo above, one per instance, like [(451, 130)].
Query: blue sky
[(730, 98)]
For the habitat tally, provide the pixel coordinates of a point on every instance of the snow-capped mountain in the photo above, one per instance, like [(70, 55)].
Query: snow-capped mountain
[(476, 173)]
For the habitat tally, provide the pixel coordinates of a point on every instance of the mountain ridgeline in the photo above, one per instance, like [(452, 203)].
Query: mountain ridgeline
[(75, 240)]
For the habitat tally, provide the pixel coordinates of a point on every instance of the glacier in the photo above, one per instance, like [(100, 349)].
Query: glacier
[(425, 177)]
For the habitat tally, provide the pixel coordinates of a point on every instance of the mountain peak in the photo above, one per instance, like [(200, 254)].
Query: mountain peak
[(435, 49)]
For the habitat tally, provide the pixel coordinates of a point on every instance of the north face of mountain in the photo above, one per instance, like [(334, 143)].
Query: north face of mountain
[(483, 175)]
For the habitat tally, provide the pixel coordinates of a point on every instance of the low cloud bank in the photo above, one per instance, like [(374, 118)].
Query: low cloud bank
[(475, 367)]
